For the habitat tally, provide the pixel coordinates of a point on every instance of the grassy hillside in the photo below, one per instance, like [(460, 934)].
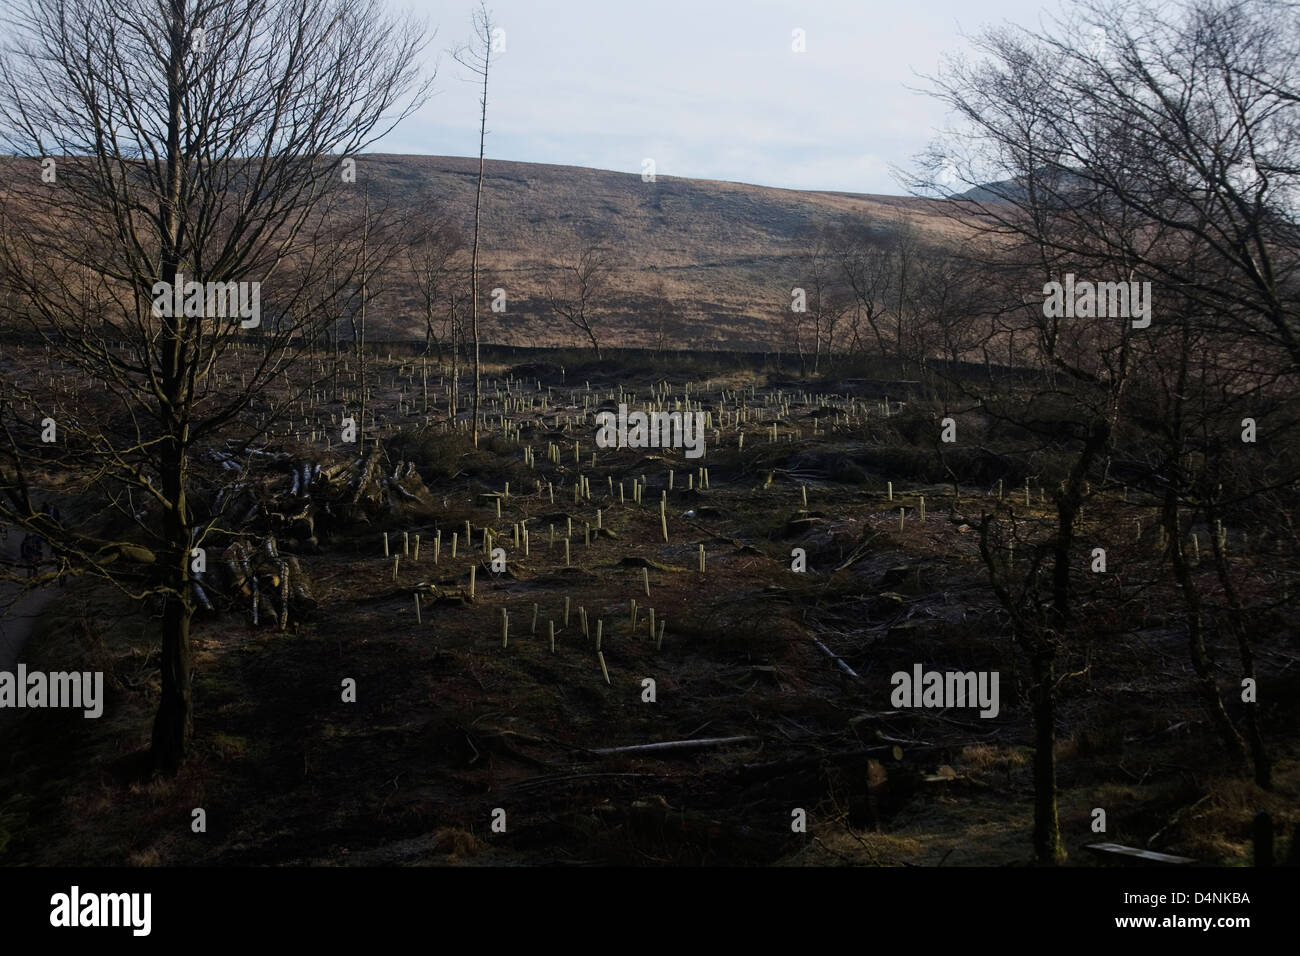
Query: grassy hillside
[(724, 254), (698, 264)]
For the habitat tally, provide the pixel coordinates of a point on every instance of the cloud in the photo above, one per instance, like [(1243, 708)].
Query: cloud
[(710, 91)]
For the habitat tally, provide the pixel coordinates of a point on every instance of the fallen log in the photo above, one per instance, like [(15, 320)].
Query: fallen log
[(403, 492), (702, 743), (759, 771), (831, 654), (1131, 854), (284, 594), (200, 596)]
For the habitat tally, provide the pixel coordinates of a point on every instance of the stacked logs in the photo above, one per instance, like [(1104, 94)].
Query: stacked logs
[(269, 586)]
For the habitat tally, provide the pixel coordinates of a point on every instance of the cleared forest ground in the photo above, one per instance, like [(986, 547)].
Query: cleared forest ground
[(452, 723)]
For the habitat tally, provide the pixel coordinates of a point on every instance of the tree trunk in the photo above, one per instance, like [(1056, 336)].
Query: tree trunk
[(1048, 850), (456, 336), (1067, 509), (478, 203), (174, 722), (1254, 736), (1205, 682), (361, 344)]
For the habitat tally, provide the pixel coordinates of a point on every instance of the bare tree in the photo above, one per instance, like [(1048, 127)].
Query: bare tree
[(431, 257), (196, 145), (951, 299), (477, 57), (374, 247), (1167, 152), (869, 269), (577, 295), (824, 301), (659, 316)]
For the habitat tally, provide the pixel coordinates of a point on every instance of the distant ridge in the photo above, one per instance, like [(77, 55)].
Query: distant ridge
[(723, 254), (700, 264)]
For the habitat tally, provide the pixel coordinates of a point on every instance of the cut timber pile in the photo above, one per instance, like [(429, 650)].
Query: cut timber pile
[(297, 500), (274, 505), (268, 586)]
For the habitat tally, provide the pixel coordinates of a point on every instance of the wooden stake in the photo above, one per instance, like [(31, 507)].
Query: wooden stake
[(603, 669), (472, 569)]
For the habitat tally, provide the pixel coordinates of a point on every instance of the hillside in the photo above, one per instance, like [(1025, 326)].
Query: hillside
[(698, 264), (724, 254)]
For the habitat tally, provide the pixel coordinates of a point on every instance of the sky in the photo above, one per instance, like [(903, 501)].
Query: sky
[(709, 89)]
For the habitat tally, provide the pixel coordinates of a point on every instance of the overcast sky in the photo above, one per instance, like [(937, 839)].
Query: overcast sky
[(709, 89)]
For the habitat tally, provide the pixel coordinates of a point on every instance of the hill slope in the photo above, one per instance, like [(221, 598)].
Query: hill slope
[(698, 264), (723, 254)]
